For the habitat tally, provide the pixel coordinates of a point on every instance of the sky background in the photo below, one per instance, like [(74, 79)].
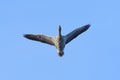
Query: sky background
[(94, 55)]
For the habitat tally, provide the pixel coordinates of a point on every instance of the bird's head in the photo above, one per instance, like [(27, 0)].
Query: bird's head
[(59, 29)]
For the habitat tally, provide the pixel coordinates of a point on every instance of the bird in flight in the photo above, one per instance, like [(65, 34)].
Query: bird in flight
[(60, 40)]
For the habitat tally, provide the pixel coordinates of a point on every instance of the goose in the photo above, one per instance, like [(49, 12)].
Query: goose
[(60, 40)]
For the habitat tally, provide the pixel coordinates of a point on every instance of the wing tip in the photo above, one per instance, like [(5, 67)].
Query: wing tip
[(88, 25), (27, 36)]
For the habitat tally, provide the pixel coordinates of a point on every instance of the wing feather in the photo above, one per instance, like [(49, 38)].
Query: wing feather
[(70, 36), (40, 37)]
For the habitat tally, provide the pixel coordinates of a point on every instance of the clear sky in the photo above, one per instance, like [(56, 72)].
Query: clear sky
[(94, 55)]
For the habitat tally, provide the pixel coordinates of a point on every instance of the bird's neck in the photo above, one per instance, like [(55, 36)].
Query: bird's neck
[(59, 33)]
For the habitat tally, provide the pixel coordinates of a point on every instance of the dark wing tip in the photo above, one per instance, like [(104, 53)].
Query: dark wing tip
[(28, 36), (87, 26)]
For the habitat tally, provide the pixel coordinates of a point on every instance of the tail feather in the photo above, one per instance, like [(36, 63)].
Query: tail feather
[(61, 54)]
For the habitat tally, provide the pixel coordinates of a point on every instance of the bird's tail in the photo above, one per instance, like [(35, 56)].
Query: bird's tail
[(61, 54)]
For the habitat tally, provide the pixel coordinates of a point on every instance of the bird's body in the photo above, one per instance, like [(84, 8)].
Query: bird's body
[(60, 44), (59, 41)]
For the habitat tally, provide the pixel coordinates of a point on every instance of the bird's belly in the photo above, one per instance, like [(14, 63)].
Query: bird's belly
[(61, 45)]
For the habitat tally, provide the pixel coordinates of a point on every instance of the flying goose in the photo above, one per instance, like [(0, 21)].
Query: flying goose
[(58, 41)]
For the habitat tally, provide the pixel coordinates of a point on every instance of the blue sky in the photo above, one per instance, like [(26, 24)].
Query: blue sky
[(94, 55)]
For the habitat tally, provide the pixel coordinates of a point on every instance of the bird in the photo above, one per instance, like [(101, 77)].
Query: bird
[(60, 40)]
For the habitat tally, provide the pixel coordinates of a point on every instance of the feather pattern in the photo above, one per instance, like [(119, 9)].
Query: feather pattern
[(41, 38), (70, 36)]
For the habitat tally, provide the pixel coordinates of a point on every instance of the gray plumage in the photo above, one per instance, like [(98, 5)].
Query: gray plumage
[(59, 41)]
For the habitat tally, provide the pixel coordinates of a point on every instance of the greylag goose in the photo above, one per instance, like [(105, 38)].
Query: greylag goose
[(58, 41)]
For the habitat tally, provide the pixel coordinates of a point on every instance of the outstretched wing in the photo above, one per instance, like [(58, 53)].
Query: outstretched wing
[(41, 38), (75, 33)]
